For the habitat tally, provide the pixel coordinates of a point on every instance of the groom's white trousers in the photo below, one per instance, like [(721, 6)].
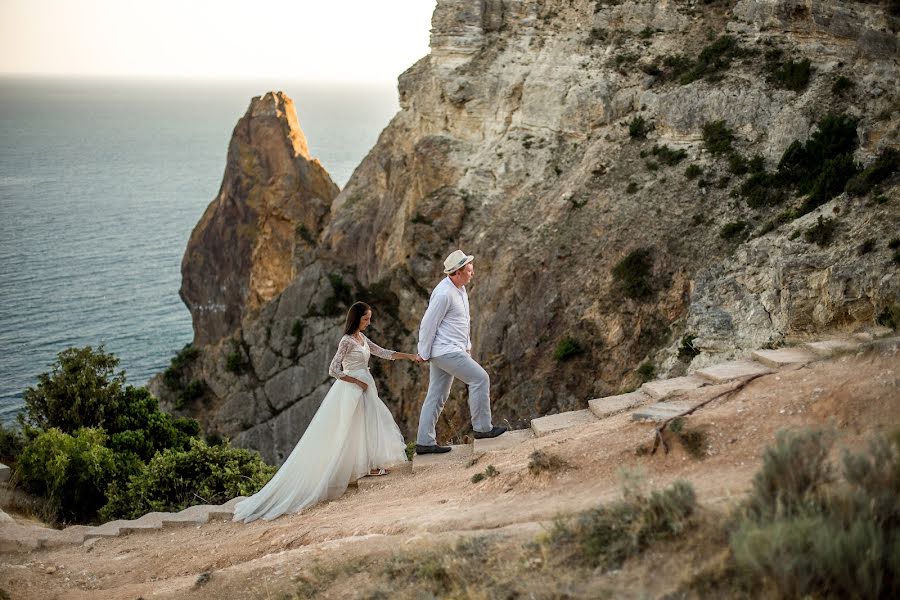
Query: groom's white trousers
[(443, 369)]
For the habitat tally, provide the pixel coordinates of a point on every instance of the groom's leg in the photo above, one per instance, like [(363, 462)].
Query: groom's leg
[(439, 382), (464, 368)]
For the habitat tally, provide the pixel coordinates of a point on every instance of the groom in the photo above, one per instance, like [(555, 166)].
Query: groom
[(444, 341)]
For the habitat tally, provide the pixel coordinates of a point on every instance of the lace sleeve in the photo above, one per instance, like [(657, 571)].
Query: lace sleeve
[(378, 350), (335, 369)]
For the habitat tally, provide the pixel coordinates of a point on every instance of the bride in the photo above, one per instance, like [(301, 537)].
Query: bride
[(351, 435)]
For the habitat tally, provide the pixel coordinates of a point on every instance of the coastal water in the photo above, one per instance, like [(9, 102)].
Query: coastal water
[(101, 183)]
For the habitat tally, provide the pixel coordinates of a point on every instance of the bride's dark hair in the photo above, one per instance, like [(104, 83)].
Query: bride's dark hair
[(354, 316)]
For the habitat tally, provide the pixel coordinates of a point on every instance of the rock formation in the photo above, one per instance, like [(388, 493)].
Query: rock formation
[(546, 138), (273, 201)]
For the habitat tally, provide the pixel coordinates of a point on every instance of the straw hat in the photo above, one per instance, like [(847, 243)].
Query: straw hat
[(456, 261)]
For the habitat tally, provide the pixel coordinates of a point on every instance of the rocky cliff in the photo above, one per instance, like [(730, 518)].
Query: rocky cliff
[(618, 169), (272, 203)]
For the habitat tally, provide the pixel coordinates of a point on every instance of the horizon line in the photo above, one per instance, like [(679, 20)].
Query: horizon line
[(190, 78)]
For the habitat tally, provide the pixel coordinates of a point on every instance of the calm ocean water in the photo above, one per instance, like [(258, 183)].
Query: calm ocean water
[(101, 182)]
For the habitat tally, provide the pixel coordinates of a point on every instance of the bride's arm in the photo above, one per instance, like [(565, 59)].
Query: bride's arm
[(388, 354)]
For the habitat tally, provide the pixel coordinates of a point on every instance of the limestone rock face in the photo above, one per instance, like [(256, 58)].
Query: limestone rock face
[(273, 202), (513, 144)]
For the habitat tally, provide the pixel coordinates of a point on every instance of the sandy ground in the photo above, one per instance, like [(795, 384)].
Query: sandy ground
[(857, 395)]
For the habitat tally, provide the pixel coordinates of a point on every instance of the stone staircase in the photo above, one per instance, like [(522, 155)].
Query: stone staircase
[(654, 401)]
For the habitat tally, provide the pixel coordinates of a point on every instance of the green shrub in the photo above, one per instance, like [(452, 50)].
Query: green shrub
[(790, 75), (11, 443), (667, 156), (793, 475), (646, 371), (830, 182), (887, 163), (763, 189), (82, 390), (808, 536), (70, 471), (713, 60), (687, 351), (693, 172), (676, 66), (638, 128), (821, 166), (717, 137), (633, 274), (608, 535), (631, 188), (822, 233), (236, 362), (173, 376), (567, 348), (490, 471), (192, 392), (841, 85), (175, 479), (734, 231)]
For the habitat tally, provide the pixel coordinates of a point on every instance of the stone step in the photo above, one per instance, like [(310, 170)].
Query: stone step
[(663, 388), (396, 472), (783, 357), (502, 442), (731, 370), (661, 411), (76, 534), (110, 529), (828, 348), (149, 521), (546, 425), (457, 453), (22, 538), (610, 405), (873, 333)]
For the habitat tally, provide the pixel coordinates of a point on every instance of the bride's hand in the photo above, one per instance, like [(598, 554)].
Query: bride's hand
[(363, 385)]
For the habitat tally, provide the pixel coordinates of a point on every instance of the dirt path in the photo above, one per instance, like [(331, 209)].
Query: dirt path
[(856, 394)]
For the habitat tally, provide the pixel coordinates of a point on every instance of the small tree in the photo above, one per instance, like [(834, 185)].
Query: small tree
[(82, 390)]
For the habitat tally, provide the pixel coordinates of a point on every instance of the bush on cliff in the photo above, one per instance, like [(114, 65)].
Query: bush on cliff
[(87, 434), (70, 471), (633, 274), (174, 480)]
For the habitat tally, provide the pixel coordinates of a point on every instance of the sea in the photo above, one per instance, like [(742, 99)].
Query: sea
[(101, 183)]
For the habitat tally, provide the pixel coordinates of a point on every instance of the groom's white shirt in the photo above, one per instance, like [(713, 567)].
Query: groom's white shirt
[(445, 326)]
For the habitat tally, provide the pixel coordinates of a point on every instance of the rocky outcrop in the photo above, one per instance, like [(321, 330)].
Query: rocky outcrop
[(513, 142), (272, 204)]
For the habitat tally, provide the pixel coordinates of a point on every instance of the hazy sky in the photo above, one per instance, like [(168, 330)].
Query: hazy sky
[(312, 40)]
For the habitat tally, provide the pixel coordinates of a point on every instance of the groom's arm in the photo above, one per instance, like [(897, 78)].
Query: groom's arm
[(434, 314)]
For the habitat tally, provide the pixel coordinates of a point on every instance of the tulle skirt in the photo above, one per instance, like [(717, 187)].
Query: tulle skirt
[(351, 433)]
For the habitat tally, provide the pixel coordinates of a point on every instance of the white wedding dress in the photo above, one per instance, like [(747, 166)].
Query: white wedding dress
[(351, 433)]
